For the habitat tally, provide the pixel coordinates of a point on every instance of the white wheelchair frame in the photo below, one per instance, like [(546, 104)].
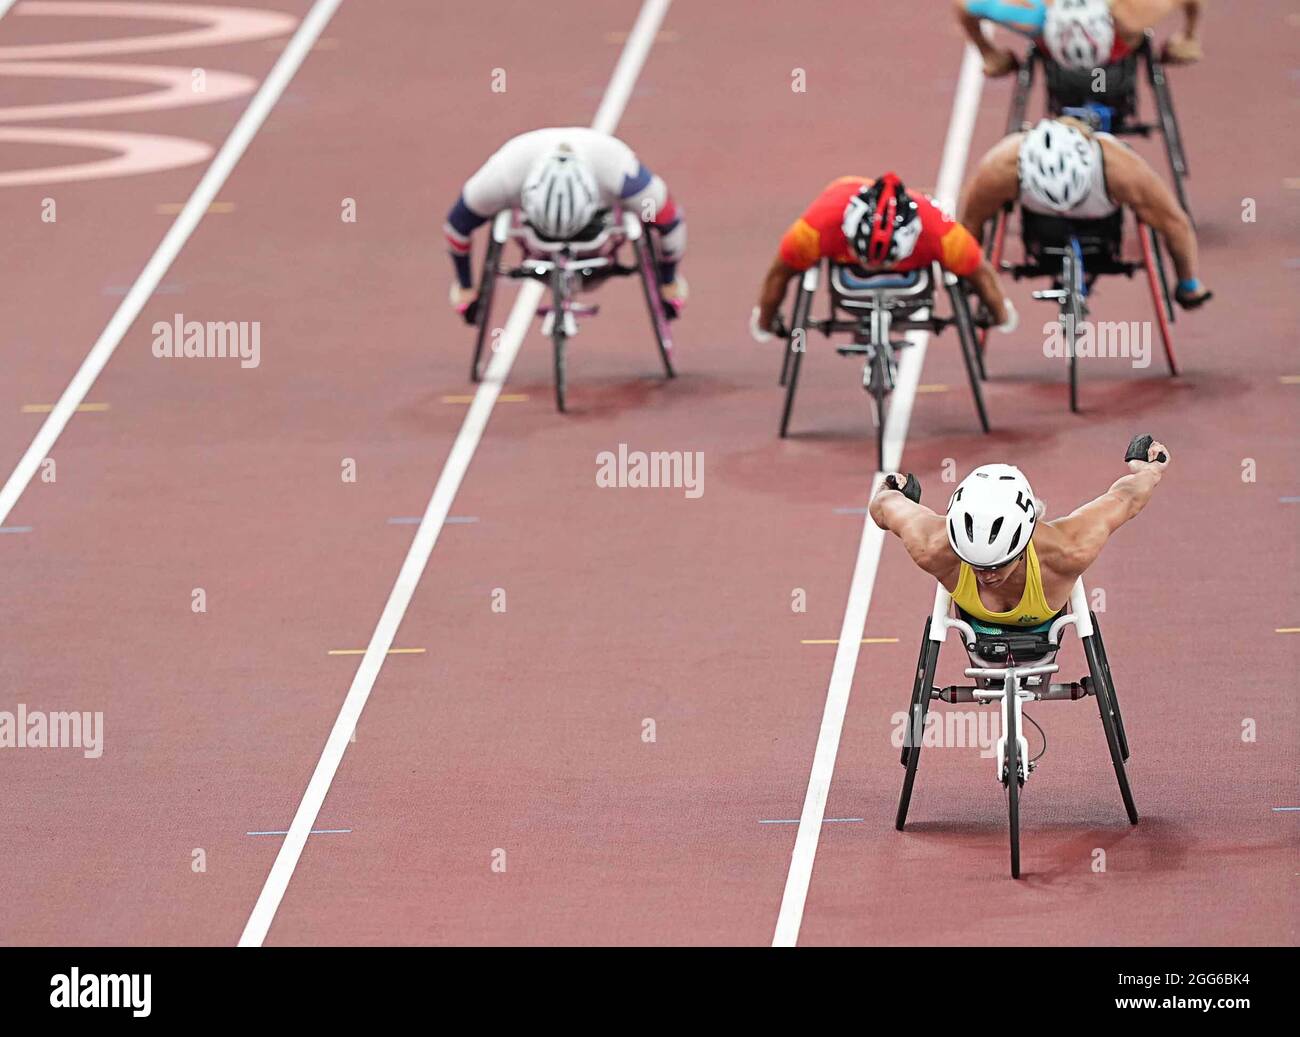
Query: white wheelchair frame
[(1013, 685)]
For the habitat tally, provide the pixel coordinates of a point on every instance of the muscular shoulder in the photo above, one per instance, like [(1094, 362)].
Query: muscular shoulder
[(1060, 548)]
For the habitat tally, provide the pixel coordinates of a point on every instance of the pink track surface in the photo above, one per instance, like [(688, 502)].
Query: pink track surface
[(521, 730)]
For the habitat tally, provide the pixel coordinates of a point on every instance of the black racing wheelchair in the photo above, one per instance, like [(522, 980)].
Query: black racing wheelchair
[(567, 268), (871, 306), (1073, 253), (1012, 666), (1106, 98)]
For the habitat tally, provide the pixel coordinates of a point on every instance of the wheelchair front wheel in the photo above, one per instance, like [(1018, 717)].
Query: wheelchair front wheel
[(795, 347), (1011, 778), (483, 319), (559, 338), (648, 265)]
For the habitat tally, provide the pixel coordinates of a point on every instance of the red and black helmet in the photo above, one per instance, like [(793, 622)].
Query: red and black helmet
[(881, 222)]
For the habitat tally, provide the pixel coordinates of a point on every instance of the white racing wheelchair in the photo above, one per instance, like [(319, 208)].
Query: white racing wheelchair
[(568, 268), (1012, 666), (871, 307)]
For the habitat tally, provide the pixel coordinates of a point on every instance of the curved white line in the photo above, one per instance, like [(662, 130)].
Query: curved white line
[(176, 91), (135, 153), (218, 25)]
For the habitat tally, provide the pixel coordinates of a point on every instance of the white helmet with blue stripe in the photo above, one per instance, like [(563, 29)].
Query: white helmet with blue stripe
[(560, 195)]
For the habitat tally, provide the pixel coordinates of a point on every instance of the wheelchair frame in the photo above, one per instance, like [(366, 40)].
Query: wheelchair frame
[(871, 314), (1127, 125), (568, 267), (1079, 268), (1026, 678)]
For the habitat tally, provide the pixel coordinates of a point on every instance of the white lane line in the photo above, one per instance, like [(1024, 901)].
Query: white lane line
[(435, 515), (970, 81), (4, 7), (177, 235)]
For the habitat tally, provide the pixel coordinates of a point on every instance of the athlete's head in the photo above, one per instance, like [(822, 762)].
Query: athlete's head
[(991, 516), (1056, 163), (1079, 33), (560, 195), (881, 223)]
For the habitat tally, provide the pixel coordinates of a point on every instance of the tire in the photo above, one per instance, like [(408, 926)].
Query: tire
[(1013, 784), (799, 335), (1070, 278), (969, 349), (880, 394), (1110, 688), (558, 338), (647, 262), (483, 320), (916, 716), (1101, 689)]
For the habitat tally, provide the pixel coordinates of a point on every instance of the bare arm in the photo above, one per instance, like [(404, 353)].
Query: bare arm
[(920, 529), (987, 286), (995, 182), (772, 293), (1132, 182), (998, 61), (1085, 531)]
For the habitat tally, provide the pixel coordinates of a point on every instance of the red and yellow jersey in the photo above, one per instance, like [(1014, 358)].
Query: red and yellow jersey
[(818, 234)]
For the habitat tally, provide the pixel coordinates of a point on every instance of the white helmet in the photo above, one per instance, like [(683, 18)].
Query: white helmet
[(991, 516), (1056, 164), (1079, 34), (560, 195)]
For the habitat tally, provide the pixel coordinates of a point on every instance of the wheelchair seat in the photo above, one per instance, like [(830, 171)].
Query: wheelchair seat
[(1101, 241), (857, 288), (1076, 88), (999, 645)]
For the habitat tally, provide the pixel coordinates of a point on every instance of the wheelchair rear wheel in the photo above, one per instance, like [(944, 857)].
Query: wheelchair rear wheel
[(648, 264), (1110, 687), (970, 352), (796, 345), (1101, 688), (483, 319), (917, 710)]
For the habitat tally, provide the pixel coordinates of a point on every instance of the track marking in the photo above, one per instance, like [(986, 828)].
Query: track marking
[(961, 125), (415, 520), (825, 821), (1287, 630), (508, 397), (931, 388), (4, 7), (1288, 500), (16, 529), (175, 208), (46, 408), (314, 831), (1290, 379), (1285, 809), (865, 641), (520, 320), (391, 651), (173, 241)]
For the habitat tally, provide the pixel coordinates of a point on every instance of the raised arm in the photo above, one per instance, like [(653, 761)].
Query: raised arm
[(920, 529), (1085, 531), (995, 182)]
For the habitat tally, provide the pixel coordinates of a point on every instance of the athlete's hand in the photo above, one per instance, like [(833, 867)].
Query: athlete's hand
[(758, 330), (1013, 319), (1193, 299), (1181, 50), (1000, 62), (1156, 451), (464, 301), (908, 485)]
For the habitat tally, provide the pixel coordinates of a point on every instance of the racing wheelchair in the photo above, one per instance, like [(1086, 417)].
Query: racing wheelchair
[(1106, 98), (871, 307), (1012, 666), (568, 268), (1074, 253)]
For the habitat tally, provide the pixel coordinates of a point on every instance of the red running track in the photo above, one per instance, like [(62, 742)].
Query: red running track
[(522, 731)]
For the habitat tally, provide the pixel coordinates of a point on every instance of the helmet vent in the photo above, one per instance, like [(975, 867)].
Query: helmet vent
[(997, 528), (1015, 540), (970, 527)]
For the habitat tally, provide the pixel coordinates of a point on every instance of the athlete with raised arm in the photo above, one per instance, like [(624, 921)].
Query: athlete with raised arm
[(1001, 565)]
